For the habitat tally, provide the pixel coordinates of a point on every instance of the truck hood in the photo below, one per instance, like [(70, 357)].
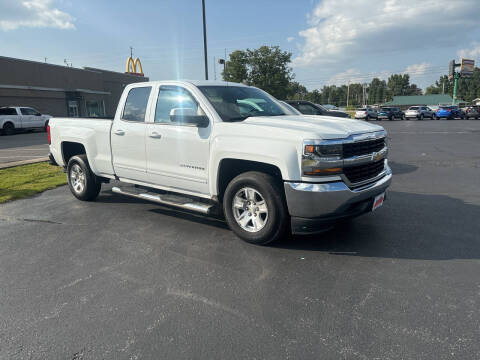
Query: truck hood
[(321, 127)]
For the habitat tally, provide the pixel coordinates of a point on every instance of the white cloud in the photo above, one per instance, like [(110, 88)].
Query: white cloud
[(473, 52), (417, 69), (32, 13), (417, 73), (340, 30), (356, 76), (290, 38)]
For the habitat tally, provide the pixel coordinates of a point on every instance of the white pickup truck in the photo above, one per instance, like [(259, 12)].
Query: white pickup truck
[(216, 147), (14, 118)]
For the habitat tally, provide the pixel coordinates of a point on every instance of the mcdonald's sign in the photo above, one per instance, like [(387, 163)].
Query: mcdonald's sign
[(134, 67)]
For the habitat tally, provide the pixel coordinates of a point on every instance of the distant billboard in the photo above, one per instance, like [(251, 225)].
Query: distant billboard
[(466, 67)]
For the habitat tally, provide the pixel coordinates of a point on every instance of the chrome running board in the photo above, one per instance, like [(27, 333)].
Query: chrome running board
[(167, 199)]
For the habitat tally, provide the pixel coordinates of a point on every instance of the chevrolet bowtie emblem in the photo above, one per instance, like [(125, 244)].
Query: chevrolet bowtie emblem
[(376, 156)]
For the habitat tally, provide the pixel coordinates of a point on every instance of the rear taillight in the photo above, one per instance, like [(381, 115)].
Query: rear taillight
[(48, 135)]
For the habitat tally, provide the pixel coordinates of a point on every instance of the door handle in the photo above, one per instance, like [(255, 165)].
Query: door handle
[(119, 132), (155, 135)]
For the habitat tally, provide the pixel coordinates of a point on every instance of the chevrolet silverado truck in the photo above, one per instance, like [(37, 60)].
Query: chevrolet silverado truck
[(229, 149), (13, 118)]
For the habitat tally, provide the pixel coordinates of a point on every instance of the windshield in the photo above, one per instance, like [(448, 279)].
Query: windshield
[(236, 103), (385, 109), (290, 108)]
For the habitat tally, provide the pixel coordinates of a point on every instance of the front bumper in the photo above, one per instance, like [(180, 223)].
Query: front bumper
[(317, 207)]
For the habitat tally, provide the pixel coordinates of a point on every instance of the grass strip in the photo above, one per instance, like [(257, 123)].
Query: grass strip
[(26, 180)]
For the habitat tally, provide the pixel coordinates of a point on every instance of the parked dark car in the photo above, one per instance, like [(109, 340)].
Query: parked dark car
[(450, 112), (472, 112), (390, 113), (309, 108)]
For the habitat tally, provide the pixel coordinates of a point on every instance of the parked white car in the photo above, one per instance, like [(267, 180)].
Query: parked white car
[(366, 113), (230, 149), (14, 118)]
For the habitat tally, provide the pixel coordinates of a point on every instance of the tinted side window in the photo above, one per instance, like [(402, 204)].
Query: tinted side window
[(136, 104), (173, 97), (8, 111), (308, 109)]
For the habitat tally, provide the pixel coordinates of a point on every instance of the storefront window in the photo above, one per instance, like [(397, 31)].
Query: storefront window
[(95, 108)]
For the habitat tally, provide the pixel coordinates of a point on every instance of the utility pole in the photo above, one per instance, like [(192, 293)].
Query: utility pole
[(45, 60), (205, 40), (214, 69), (348, 92), (131, 52)]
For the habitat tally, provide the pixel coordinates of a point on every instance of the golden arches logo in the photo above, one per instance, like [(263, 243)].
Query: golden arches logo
[(134, 67)]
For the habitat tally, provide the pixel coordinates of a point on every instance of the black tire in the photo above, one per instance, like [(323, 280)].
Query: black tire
[(421, 117), (277, 219), (367, 118), (91, 184), (8, 128), (434, 117), (390, 118)]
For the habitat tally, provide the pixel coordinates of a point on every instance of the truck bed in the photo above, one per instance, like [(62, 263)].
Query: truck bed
[(92, 133)]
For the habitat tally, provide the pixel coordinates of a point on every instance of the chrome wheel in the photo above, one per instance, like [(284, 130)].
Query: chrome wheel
[(77, 178), (250, 209)]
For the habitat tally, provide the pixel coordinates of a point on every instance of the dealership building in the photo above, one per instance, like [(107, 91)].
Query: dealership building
[(62, 90)]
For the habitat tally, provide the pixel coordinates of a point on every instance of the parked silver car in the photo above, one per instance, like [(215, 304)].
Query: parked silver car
[(366, 113), (419, 113)]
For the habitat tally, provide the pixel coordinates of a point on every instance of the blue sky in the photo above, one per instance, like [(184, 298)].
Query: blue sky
[(332, 41)]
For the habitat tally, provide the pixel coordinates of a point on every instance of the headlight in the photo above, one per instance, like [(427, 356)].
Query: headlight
[(320, 160)]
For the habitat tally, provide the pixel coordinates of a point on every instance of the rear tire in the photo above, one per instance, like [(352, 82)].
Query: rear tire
[(367, 118), (83, 183), (255, 208), (8, 128), (421, 117), (434, 117)]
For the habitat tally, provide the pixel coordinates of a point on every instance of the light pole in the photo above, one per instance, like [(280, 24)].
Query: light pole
[(205, 40)]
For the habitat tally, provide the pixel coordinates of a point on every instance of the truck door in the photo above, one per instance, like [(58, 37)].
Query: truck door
[(177, 153), (128, 136), (25, 118)]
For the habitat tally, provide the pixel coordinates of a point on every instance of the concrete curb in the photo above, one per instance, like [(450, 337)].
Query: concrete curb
[(23, 162)]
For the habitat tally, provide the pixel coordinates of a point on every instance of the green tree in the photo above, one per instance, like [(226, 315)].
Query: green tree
[(236, 68), (296, 91), (266, 68), (468, 87)]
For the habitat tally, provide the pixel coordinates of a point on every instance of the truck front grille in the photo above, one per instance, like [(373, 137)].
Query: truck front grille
[(362, 148), (364, 172)]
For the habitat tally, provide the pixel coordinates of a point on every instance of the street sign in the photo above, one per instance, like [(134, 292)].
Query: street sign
[(466, 67)]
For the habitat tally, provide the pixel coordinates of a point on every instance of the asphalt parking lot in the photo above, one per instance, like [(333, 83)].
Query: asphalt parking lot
[(23, 146), (125, 279)]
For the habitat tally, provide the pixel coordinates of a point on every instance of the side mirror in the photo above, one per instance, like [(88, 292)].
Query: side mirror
[(38, 114), (188, 116)]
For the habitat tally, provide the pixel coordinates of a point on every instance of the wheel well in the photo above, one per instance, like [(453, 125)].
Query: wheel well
[(70, 149), (230, 168), (8, 122)]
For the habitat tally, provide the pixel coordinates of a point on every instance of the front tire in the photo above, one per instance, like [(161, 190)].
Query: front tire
[(367, 118), (8, 129), (434, 117), (421, 117), (255, 208), (83, 183)]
